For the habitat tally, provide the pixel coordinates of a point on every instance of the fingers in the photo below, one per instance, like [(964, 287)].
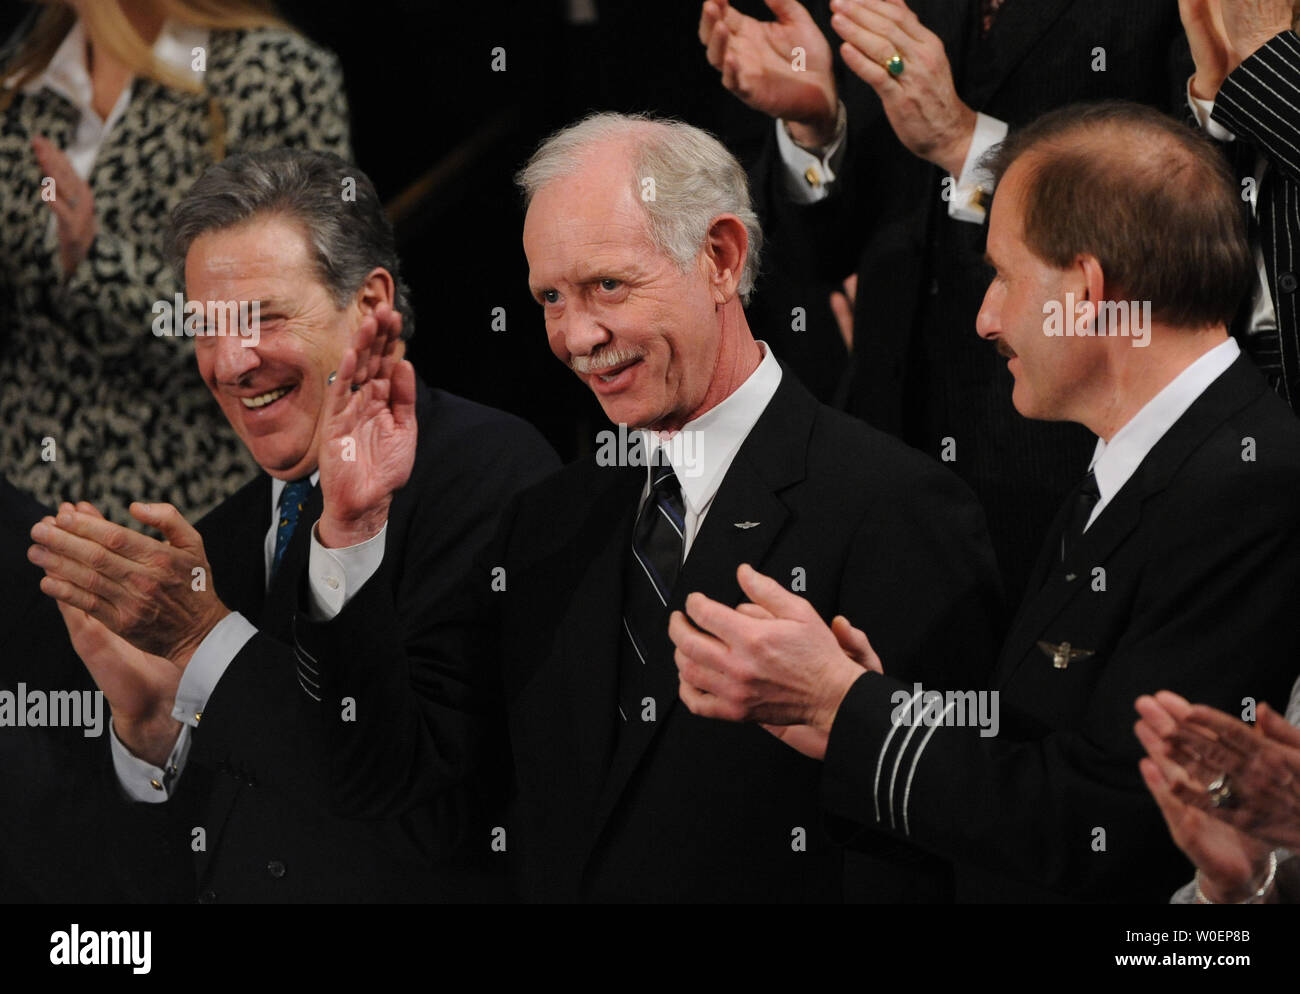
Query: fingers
[(718, 627), (754, 611), (168, 520), (873, 36), (402, 395), (767, 593), (340, 391), (902, 17), (1276, 727), (854, 642), (717, 47), (842, 309), (871, 73), (64, 549)]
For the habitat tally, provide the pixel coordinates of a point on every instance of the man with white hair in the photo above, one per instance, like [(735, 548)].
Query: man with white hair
[(642, 244)]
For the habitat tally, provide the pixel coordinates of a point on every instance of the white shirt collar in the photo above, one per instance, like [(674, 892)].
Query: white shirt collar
[(1115, 462), (702, 452), (66, 72)]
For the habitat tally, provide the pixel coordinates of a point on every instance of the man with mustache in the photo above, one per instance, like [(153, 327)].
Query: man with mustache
[(642, 246), (377, 493), (1175, 563)]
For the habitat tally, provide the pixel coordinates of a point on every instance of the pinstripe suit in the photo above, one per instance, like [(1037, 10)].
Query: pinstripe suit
[(1258, 103)]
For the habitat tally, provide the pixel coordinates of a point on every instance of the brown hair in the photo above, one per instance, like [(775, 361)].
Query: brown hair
[(1152, 199)]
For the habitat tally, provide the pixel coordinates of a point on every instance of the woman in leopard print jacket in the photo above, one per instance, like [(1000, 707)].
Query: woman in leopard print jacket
[(93, 404)]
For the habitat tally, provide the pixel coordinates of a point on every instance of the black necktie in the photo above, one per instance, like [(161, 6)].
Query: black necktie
[(1085, 499), (989, 13), (653, 562)]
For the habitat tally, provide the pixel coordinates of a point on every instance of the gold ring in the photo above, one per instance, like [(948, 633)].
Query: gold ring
[(894, 65)]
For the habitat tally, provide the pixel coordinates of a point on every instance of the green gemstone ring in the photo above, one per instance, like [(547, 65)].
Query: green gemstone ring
[(895, 66)]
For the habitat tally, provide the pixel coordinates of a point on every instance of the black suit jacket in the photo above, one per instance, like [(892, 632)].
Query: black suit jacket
[(281, 783), (919, 371), (709, 811), (1188, 580), (1250, 105), (52, 799)]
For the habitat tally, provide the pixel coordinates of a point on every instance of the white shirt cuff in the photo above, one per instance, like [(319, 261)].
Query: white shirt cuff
[(208, 665), (141, 780), (808, 177), (335, 575), (1203, 109), (973, 187)]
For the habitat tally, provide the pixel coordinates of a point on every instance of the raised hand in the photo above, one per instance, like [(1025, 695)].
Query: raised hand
[(781, 68), (157, 595), (368, 432), (1248, 24), (921, 102), (73, 204)]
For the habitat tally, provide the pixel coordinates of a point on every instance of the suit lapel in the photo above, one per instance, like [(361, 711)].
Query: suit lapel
[(229, 532), (1018, 29), (1239, 385), (771, 458)]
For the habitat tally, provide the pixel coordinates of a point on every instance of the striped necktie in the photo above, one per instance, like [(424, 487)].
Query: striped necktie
[(650, 571), (292, 498)]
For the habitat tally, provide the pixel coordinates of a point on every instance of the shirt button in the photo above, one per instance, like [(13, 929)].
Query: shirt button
[(332, 582), (275, 868)]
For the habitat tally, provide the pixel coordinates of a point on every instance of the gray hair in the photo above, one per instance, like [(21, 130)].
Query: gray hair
[(695, 180), (348, 232)]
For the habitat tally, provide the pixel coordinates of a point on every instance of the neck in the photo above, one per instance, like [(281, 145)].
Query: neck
[(738, 357), (1135, 376)]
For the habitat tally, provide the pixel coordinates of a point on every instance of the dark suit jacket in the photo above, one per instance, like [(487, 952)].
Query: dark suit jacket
[(1188, 580), (1250, 105), (919, 370), (52, 801), (280, 782), (705, 810)]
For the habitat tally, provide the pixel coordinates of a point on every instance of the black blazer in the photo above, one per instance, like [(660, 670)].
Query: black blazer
[(919, 371), (1188, 580), (1250, 106), (281, 782), (710, 811)]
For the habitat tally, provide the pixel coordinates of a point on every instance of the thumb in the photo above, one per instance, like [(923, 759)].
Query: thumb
[(788, 11), (767, 593), (170, 522), (855, 643)]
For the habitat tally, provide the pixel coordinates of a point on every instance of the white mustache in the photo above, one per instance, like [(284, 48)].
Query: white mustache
[(603, 360)]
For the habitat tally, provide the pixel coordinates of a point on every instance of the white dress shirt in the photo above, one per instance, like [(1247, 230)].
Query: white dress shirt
[(1116, 461), (334, 576), (810, 176), (67, 75), (1263, 316), (702, 452)]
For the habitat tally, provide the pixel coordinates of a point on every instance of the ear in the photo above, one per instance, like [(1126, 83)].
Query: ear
[(725, 251), (1090, 288), (377, 289)]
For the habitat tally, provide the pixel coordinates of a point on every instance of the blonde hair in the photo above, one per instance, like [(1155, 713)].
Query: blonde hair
[(110, 31)]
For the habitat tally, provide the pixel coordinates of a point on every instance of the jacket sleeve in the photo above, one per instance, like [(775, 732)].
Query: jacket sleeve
[(1067, 809)]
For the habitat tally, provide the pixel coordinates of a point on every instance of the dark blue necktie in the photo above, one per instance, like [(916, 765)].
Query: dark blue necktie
[(292, 498)]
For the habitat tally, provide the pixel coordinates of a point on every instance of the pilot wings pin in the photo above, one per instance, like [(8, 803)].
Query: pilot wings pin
[(1064, 654)]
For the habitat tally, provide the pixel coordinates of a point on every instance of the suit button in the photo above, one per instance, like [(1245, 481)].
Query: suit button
[(208, 897), (275, 868), (1287, 283)]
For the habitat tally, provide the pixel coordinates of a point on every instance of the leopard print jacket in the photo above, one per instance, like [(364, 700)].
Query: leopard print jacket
[(93, 405)]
